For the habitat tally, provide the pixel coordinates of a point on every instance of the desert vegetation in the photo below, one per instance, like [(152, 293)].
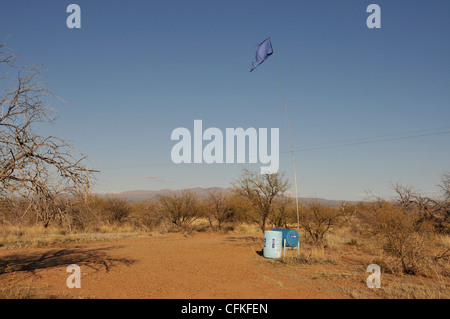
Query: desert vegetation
[(408, 235)]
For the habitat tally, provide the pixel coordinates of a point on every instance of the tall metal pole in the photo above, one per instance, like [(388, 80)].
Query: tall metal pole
[(290, 136)]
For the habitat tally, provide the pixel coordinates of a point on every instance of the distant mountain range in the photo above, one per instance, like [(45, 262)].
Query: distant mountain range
[(137, 196)]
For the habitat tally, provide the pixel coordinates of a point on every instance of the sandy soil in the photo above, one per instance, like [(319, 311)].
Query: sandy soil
[(204, 265)]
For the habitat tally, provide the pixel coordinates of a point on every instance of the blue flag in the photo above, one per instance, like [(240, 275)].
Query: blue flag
[(264, 51)]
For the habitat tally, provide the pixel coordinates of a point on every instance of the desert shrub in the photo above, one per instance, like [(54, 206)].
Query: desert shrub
[(221, 207), (77, 215), (109, 209), (10, 211), (115, 209), (27, 212), (180, 208), (146, 216), (3, 210), (403, 233), (348, 211), (317, 220)]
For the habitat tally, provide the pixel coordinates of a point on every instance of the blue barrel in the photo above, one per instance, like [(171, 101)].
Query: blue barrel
[(273, 244), (290, 235)]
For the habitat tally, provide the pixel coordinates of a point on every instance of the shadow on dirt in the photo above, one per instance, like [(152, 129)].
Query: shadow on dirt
[(94, 258)]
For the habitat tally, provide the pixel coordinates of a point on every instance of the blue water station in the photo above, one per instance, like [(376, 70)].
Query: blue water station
[(278, 239)]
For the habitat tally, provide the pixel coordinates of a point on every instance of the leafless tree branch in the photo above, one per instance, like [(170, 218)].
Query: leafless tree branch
[(33, 166)]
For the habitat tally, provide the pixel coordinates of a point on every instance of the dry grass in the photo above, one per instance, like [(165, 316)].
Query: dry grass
[(443, 242), (402, 287), (244, 228), (38, 236), (12, 237), (416, 290), (311, 255)]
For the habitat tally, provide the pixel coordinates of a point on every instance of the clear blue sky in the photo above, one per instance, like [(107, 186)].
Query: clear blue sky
[(137, 70)]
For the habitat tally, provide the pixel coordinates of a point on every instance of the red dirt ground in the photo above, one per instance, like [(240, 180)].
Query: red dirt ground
[(204, 265)]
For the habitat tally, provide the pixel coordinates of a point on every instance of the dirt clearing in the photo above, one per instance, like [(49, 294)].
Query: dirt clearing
[(203, 265)]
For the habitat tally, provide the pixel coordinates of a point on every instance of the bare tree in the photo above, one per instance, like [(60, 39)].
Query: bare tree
[(445, 186), (442, 206), (283, 211), (435, 210), (408, 197), (220, 208), (32, 166), (260, 190)]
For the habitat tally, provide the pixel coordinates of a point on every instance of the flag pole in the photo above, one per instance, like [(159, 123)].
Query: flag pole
[(290, 136)]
